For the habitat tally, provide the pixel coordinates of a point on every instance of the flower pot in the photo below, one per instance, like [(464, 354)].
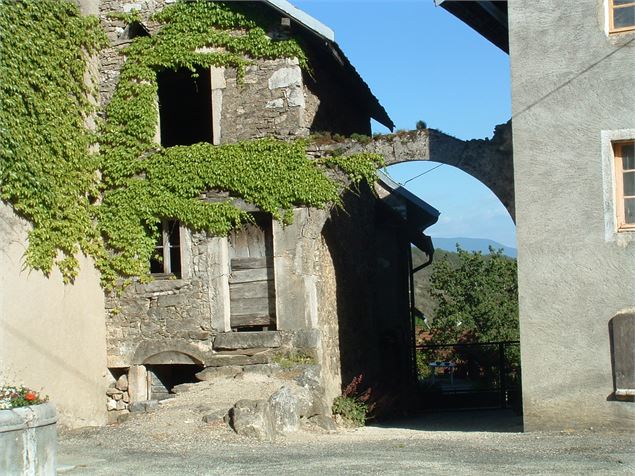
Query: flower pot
[(28, 440)]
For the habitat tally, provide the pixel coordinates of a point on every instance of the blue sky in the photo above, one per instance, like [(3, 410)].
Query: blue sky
[(424, 64)]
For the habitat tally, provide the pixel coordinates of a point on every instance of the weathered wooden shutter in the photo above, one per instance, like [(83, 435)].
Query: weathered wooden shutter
[(251, 282)]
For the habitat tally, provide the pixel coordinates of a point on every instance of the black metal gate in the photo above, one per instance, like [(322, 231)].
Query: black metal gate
[(476, 375)]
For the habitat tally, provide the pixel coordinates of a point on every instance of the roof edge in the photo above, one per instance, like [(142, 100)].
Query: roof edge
[(283, 6)]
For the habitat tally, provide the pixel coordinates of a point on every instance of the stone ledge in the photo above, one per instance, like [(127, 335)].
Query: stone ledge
[(247, 340)]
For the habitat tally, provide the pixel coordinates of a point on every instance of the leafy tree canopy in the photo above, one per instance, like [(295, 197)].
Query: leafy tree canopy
[(477, 298)]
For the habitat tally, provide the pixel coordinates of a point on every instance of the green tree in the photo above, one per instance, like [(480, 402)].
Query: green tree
[(477, 298)]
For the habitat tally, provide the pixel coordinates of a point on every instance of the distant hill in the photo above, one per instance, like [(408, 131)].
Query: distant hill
[(472, 244), (423, 301)]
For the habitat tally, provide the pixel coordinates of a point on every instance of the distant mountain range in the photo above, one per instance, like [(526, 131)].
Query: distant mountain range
[(472, 244)]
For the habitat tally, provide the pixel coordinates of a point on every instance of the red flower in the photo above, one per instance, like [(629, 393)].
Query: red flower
[(30, 395)]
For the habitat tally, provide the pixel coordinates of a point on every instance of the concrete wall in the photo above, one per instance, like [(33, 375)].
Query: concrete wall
[(52, 336), (570, 82)]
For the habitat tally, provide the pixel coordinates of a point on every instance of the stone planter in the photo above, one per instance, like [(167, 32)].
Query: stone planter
[(28, 440)]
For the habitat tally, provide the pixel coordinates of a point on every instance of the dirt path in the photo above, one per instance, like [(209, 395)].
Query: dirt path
[(174, 440)]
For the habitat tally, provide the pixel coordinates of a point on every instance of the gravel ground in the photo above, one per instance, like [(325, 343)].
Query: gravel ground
[(174, 440)]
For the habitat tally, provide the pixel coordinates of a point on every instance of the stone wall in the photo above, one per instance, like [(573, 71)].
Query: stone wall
[(276, 97), (323, 298), (167, 314)]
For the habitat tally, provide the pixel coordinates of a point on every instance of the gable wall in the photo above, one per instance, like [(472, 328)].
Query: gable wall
[(570, 82)]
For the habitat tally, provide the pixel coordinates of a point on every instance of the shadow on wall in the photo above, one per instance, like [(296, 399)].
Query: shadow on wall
[(369, 255)]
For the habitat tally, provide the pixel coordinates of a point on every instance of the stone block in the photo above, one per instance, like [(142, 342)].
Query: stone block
[(143, 407), (247, 340), (172, 300), (306, 338), (220, 360), (113, 391), (286, 77), (275, 104), (262, 369), (122, 383), (215, 417), (252, 418), (324, 421), (138, 383), (211, 373), (199, 335), (295, 98), (286, 417), (310, 377)]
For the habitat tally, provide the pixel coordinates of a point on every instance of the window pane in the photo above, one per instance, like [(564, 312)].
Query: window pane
[(622, 2), (175, 250), (629, 211), (629, 184), (627, 151), (624, 17), (156, 262)]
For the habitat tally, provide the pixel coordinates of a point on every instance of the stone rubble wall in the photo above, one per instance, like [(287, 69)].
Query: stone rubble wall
[(163, 309)]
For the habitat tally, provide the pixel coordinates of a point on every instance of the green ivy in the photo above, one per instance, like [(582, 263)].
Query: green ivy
[(46, 170), (360, 167), (110, 206)]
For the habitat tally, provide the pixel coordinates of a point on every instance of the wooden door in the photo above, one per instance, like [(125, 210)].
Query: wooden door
[(251, 282)]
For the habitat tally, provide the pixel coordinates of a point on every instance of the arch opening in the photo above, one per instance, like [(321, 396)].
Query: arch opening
[(461, 361), (168, 369)]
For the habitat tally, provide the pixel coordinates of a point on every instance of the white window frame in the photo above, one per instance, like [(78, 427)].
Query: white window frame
[(612, 191), (620, 196)]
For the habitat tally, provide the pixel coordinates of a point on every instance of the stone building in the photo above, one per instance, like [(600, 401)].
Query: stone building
[(572, 69), (332, 286)]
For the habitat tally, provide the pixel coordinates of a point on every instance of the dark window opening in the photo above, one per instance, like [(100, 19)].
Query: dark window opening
[(134, 30), (167, 252), (185, 107), (163, 378)]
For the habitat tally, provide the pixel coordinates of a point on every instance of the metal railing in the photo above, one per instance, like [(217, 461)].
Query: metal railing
[(470, 375)]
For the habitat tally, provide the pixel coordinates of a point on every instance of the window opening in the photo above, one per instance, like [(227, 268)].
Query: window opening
[(621, 15), (185, 106), (625, 184), (167, 252)]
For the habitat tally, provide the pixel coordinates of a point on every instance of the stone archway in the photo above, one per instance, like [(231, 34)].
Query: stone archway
[(488, 160)]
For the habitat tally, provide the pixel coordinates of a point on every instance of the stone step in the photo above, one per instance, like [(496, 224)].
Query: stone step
[(222, 359), (247, 340)]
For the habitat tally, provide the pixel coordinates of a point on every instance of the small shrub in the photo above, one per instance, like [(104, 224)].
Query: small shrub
[(291, 359), (351, 409), (354, 405)]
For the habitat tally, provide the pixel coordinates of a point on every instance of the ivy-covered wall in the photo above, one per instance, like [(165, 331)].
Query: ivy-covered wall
[(108, 204)]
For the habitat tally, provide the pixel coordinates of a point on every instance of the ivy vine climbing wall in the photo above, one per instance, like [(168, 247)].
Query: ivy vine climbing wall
[(46, 170), (110, 205)]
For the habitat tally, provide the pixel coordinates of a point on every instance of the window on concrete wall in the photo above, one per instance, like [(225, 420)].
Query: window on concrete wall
[(167, 257), (621, 15), (185, 106), (624, 153)]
